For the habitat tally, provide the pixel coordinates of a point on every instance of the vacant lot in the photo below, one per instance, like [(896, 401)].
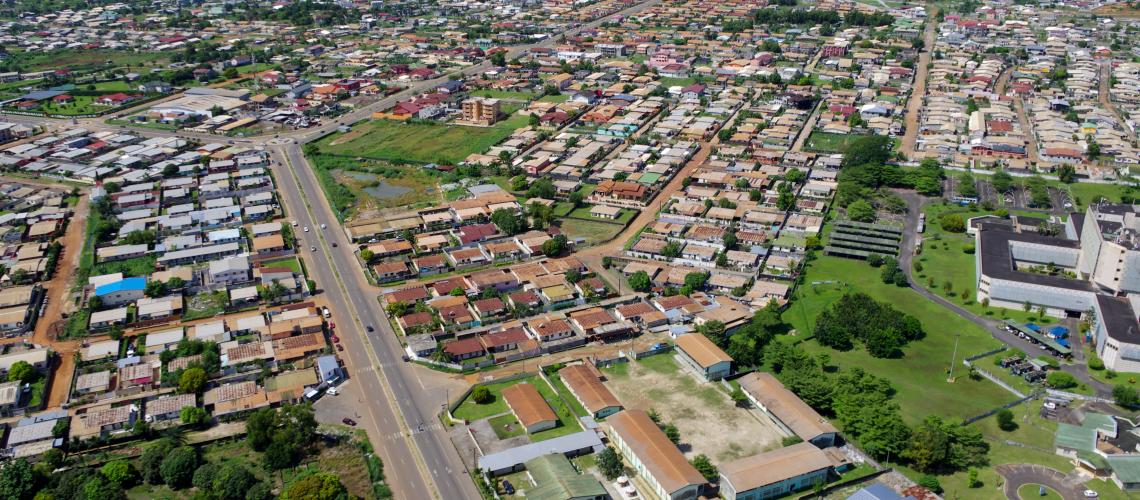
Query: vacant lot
[(826, 142), (418, 142), (593, 232), (710, 423)]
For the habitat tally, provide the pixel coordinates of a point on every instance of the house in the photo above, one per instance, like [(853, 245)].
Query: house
[(230, 270), (547, 331), (168, 407), (775, 473), (787, 410), (466, 348), (391, 271), (93, 383), (489, 309), (605, 212), (655, 458), (703, 356), (529, 407), (506, 340), (124, 291), (585, 383)]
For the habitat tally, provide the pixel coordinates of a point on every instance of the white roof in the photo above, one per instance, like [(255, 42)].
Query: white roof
[(164, 338)]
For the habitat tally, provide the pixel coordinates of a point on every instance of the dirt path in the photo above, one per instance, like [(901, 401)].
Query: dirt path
[(918, 92), (58, 293)]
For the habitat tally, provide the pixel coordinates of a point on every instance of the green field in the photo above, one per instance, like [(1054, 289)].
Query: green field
[(827, 142), (138, 266), (85, 60), (418, 142), (555, 98), (593, 232), (624, 217), (1032, 491), (83, 105), (567, 423), (923, 390), (288, 262), (504, 94)]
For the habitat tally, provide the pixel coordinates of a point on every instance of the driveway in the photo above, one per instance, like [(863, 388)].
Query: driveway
[(1018, 475)]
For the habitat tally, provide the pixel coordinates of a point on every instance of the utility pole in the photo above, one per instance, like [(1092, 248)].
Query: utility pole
[(953, 357)]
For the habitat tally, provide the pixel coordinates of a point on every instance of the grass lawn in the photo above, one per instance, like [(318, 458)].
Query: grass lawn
[(289, 262), (1031, 491), (1085, 192), (138, 266), (562, 209), (672, 82), (419, 142), (506, 426), (567, 423), (115, 86), (827, 142), (555, 98), (943, 260), (593, 232), (76, 59), (920, 375), (37, 392)]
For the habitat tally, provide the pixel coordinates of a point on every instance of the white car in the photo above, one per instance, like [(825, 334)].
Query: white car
[(324, 226), (294, 223), (333, 391), (306, 229), (1091, 494)]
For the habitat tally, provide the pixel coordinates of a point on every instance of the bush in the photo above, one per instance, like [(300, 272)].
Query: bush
[(1060, 380), (968, 249), (1096, 363), (1005, 420), (952, 223), (931, 483), (1125, 396)]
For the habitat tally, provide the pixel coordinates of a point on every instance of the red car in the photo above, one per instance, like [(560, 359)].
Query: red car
[(339, 347), (335, 339), (332, 325)]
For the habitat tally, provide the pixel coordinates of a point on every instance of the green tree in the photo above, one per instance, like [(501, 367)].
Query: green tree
[(1060, 380), (232, 481), (193, 415), (150, 463), (481, 395), (1001, 181), (178, 467), (155, 289), (192, 380), (861, 210), (315, 486), (509, 222), (554, 246), (120, 472), (97, 488), (705, 467), (672, 433), (931, 483), (640, 282), (952, 223), (609, 464), (204, 477), (1126, 396), (1067, 174), (259, 428), (713, 330), (867, 150), (18, 481), (21, 371), (1005, 420)]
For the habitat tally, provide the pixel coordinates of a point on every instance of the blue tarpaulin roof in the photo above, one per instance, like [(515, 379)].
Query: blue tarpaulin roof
[(1059, 331), (120, 286), (1033, 326)]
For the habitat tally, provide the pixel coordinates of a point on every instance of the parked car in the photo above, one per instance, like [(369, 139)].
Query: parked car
[(335, 339), (340, 348), (348, 421)]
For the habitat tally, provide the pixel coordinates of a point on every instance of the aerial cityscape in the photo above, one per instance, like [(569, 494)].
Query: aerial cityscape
[(569, 249)]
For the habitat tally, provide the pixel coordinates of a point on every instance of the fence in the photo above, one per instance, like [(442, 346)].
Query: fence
[(986, 354), (1006, 406), (1072, 395)]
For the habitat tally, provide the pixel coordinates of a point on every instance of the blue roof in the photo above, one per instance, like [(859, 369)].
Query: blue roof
[(1059, 331), (1033, 326), (120, 286), (876, 491)]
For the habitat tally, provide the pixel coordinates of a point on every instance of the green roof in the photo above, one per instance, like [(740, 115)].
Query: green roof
[(556, 479), (1100, 422), (1075, 437), (1126, 468), (649, 178)]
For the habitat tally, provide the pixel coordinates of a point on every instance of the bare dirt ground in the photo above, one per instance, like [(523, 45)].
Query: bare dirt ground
[(709, 422)]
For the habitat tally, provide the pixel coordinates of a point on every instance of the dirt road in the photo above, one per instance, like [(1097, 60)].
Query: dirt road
[(58, 294), (918, 92)]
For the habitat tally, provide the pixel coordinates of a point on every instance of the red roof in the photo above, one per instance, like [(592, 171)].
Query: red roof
[(469, 345)]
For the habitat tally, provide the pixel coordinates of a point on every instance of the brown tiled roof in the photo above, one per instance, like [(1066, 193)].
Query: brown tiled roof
[(774, 466), (702, 350), (785, 406), (659, 456), (590, 391)]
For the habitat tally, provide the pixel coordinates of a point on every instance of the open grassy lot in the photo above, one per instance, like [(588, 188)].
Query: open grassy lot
[(593, 232), (672, 82), (352, 185), (923, 390), (1085, 192), (827, 142), (138, 266), (83, 105), (289, 262), (418, 142), (623, 218), (205, 305), (76, 59), (555, 98), (506, 426), (708, 420), (504, 94)]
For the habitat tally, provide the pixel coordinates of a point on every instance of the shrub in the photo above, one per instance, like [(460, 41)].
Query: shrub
[(931, 483), (1060, 380), (481, 395), (1005, 420), (1096, 363)]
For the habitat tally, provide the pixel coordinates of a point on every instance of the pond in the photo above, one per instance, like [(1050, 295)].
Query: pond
[(384, 190)]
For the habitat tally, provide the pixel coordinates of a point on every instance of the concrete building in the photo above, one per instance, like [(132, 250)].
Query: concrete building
[(655, 458), (1010, 269), (481, 111), (1116, 332), (787, 410), (703, 356), (1109, 255), (774, 473)]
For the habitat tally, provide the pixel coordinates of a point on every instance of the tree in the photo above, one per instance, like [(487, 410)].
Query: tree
[(315, 486), (704, 466), (192, 415), (861, 211), (972, 480), (1001, 181), (1126, 396), (1060, 380), (542, 188), (232, 481), (366, 255), (282, 453), (1067, 174), (554, 246), (1005, 420), (867, 150), (713, 330), (696, 280), (21, 371), (97, 488), (672, 433), (155, 289), (259, 428), (18, 480), (481, 395), (150, 463), (120, 472), (192, 380), (509, 222), (204, 477), (609, 464), (178, 467), (639, 281), (952, 223)]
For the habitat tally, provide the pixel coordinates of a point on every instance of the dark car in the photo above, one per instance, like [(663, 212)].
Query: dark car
[(339, 347), (349, 421), (370, 329), (508, 488), (335, 339)]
